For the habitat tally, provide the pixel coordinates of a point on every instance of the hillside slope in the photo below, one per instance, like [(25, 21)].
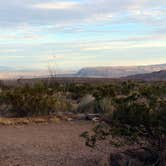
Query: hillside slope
[(158, 76)]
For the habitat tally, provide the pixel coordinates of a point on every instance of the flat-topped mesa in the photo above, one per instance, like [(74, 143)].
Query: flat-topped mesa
[(118, 71)]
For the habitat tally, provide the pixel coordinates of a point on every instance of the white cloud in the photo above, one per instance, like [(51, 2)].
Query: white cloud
[(69, 12), (122, 45), (55, 5), (152, 41)]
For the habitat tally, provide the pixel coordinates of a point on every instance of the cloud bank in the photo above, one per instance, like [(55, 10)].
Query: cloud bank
[(82, 33)]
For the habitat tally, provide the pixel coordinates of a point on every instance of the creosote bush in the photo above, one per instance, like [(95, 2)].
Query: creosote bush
[(34, 100)]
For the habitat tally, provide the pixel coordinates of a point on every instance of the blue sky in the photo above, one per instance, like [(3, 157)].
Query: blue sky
[(72, 34)]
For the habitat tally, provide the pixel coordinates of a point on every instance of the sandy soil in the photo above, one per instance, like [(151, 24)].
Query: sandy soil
[(47, 145)]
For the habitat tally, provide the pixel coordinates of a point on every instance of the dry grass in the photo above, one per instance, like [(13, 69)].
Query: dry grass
[(24, 121)]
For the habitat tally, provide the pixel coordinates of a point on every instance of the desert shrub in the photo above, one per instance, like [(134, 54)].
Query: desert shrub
[(139, 116), (86, 104), (52, 83), (39, 87), (103, 91), (61, 103), (79, 90), (29, 102), (127, 86), (107, 107)]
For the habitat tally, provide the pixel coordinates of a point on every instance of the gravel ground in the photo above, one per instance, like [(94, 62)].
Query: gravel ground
[(48, 145)]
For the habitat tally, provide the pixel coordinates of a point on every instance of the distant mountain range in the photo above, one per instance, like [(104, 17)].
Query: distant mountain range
[(149, 72), (158, 76), (118, 71)]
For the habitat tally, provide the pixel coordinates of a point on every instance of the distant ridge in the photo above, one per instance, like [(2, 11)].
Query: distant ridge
[(90, 72), (118, 71), (154, 76)]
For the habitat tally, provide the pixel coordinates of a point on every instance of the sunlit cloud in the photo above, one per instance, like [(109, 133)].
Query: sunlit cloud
[(55, 5)]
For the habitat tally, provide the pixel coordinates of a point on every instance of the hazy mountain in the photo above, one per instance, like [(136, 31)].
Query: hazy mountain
[(96, 72), (119, 71), (158, 76)]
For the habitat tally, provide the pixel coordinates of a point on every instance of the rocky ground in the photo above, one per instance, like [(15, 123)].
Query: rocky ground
[(52, 144)]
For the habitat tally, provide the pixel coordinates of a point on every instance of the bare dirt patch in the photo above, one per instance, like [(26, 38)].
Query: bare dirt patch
[(47, 145)]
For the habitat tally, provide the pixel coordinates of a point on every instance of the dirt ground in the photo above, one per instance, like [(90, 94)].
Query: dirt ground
[(48, 145)]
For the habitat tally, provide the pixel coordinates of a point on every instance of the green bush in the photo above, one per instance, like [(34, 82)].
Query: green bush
[(29, 102)]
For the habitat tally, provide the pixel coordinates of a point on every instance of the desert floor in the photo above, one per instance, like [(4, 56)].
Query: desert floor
[(49, 144)]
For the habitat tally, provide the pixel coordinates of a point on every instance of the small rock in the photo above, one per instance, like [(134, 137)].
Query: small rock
[(95, 119), (69, 119), (91, 116)]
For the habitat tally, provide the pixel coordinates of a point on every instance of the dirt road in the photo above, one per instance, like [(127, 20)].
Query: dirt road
[(47, 145)]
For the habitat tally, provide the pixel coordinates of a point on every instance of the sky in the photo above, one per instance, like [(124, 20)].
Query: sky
[(71, 34)]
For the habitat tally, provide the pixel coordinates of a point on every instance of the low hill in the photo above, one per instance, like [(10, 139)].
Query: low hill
[(158, 76)]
